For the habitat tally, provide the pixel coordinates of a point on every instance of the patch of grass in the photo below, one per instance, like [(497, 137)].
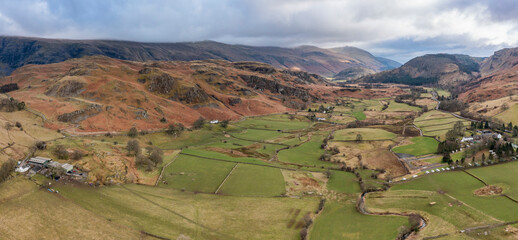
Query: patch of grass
[(344, 182), (420, 146), (367, 134), (400, 107), (359, 115), (342, 221), (251, 180)]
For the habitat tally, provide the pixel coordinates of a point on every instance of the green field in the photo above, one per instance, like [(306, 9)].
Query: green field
[(359, 115), (441, 92), (258, 135), (344, 182), (400, 107), (509, 115), (349, 134), (342, 221), (306, 154), (251, 180), (420, 146), (196, 174)]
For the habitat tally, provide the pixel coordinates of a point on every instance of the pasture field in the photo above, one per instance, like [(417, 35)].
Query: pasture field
[(441, 92), (349, 134), (401, 107), (170, 213), (420, 146), (31, 212), (196, 174), (306, 154), (344, 182), (509, 115), (341, 220), (461, 186), (251, 180), (258, 135)]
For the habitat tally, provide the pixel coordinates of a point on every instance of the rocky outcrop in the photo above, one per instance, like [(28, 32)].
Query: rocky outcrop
[(305, 77), (161, 83), (261, 83), (234, 101), (66, 88), (191, 95), (255, 67), (8, 87), (80, 115)]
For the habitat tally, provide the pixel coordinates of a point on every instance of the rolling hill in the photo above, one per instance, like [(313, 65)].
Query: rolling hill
[(19, 51)]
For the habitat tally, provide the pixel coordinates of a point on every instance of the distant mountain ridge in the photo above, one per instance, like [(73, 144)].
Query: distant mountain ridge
[(19, 51), (443, 69)]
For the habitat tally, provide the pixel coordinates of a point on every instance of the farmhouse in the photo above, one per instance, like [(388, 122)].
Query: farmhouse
[(214, 122), (321, 119)]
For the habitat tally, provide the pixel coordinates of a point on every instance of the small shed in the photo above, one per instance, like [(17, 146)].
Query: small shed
[(67, 167)]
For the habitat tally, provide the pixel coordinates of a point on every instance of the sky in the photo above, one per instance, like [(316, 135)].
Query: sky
[(399, 30)]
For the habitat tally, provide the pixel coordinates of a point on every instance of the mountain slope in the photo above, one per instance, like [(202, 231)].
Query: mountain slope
[(444, 69), (499, 77), (103, 94), (19, 51)]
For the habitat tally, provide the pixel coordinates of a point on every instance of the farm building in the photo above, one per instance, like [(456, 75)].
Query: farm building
[(39, 161), (214, 122)]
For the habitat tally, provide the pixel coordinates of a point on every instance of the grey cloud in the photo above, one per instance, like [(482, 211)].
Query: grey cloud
[(394, 29)]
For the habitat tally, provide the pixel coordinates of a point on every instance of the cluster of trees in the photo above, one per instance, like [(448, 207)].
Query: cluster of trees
[(11, 105), (480, 125), (175, 129), (322, 109), (457, 131), (453, 105), (61, 152), (502, 149), (150, 159), (6, 169)]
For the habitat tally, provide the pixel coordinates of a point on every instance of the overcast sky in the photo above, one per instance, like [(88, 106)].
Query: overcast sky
[(399, 30)]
